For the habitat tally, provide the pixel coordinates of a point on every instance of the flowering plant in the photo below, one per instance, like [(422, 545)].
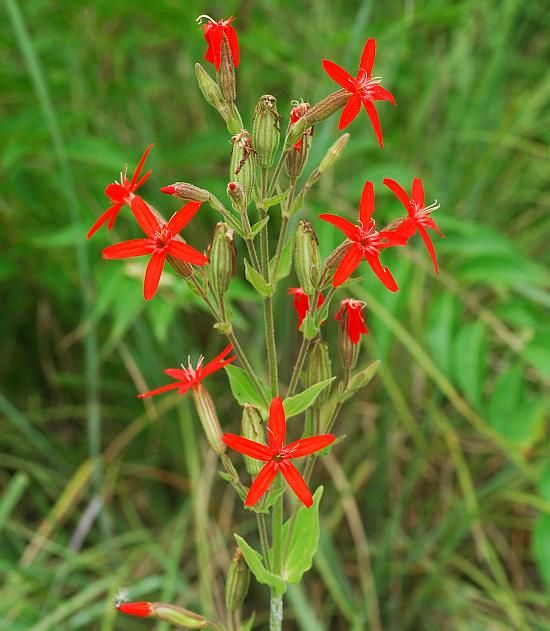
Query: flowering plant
[(257, 186)]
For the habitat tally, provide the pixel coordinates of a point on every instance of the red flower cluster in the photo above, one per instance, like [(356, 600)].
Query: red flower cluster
[(364, 88), (277, 455), (351, 316), (301, 302), (214, 32)]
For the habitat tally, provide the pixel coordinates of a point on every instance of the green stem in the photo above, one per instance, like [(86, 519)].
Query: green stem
[(277, 172), (276, 605), (250, 242)]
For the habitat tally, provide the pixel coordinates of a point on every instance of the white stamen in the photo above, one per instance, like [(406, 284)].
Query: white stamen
[(122, 596), (207, 17)]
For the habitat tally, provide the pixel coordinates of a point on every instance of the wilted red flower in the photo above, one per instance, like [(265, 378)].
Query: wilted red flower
[(351, 317), (191, 377), (299, 110), (419, 215), (366, 243), (364, 89), (213, 34), (277, 455), (161, 241), (301, 302), (121, 193), (139, 609)]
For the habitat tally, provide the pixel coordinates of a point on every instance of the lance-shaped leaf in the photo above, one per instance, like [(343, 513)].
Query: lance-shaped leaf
[(302, 401), (257, 280), (244, 390), (254, 561), (360, 380)]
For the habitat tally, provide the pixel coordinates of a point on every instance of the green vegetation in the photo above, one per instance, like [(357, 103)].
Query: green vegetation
[(440, 494)]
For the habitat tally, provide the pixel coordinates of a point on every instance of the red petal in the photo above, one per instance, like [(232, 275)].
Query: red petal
[(233, 44), (430, 223), (143, 179), (218, 362), (183, 216), (350, 111), (366, 207), (356, 324), (116, 192), (349, 229), (166, 388), (417, 192), (301, 304), (216, 36), (261, 483), (338, 74), (306, 446), (383, 273), (110, 215), (145, 218), (296, 482), (127, 249), (186, 253), (367, 58), (277, 424), (169, 190), (348, 265), (140, 165), (152, 274), (399, 192), (247, 447), (141, 610), (373, 115), (429, 246), (378, 93)]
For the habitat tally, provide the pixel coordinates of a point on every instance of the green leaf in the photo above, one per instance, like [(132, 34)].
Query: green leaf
[(470, 361), (285, 261), (247, 626), (360, 380), (541, 547), (304, 542), (276, 199), (297, 204), (243, 388), (300, 402), (255, 229), (257, 280), (254, 561), (309, 327)]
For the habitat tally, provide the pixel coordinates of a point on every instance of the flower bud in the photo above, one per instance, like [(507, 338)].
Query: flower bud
[(297, 155), (352, 326), (335, 257), (208, 417), (226, 75), (296, 130), (333, 154), (266, 130), (307, 259), (242, 168), (318, 369), (210, 90), (221, 259), (330, 104), (178, 616), (183, 190), (236, 195), (251, 426), (238, 582)]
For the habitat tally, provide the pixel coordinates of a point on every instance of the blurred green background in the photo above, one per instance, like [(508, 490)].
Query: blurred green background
[(443, 477)]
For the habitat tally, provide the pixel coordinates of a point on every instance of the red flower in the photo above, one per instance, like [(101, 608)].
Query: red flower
[(299, 110), (161, 241), (191, 377), (351, 317), (301, 302), (364, 89), (419, 215), (213, 34), (277, 455), (366, 243), (142, 610), (121, 193)]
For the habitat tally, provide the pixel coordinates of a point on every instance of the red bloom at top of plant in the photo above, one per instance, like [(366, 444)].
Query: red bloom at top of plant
[(364, 88), (299, 110), (161, 240), (191, 377), (277, 455), (213, 34), (366, 243), (351, 316), (122, 193), (301, 302), (139, 609), (419, 215)]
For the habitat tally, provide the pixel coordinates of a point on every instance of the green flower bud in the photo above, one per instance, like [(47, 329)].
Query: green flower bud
[(236, 195), (242, 169), (210, 90), (226, 74), (266, 130), (233, 121), (178, 616), (333, 154), (252, 428), (221, 259), (296, 131), (208, 417), (318, 369), (238, 582), (330, 104), (307, 259)]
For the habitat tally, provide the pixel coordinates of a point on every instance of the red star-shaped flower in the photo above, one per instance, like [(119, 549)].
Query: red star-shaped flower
[(419, 215), (277, 455), (364, 88), (121, 193), (161, 240), (301, 302), (351, 317), (367, 243), (191, 377), (213, 34)]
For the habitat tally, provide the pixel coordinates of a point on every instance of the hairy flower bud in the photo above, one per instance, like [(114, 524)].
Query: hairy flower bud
[(183, 190), (221, 259), (210, 90), (178, 616), (307, 259), (330, 104), (236, 195), (237, 583), (318, 369), (335, 257), (208, 417), (266, 130), (242, 168), (226, 75), (333, 154), (251, 426)]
